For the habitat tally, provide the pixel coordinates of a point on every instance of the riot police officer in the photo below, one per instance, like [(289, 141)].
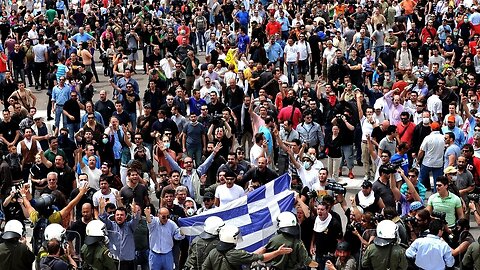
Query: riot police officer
[(385, 253), (288, 234), (226, 257), (94, 252), (204, 243), (14, 253)]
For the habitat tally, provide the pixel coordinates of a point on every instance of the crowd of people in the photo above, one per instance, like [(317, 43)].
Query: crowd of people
[(238, 93)]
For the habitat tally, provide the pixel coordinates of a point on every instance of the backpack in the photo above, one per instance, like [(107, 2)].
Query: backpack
[(200, 23)]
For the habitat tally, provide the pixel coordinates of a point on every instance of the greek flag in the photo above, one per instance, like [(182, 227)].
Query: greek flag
[(255, 213)]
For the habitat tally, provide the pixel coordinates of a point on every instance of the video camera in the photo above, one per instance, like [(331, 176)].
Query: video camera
[(354, 226), (474, 197), (378, 217), (439, 215), (217, 120), (337, 188), (392, 167), (410, 219)]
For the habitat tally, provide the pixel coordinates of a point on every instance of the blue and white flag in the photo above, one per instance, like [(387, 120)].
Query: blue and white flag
[(255, 213)]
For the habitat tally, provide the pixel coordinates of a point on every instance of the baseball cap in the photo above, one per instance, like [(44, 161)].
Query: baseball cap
[(435, 126), (367, 184), (415, 206), (449, 170), (208, 195), (451, 118), (390, 30)]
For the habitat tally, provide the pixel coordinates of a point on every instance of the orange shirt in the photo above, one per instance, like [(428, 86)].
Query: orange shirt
[(408, 6)]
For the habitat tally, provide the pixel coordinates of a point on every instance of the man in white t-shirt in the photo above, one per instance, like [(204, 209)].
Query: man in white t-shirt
[(291, 56), (229, 191), (368, 122), (90, 169), (106, 192), (259, 149)]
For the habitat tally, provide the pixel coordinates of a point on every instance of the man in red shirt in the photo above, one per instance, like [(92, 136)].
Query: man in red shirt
[(405, 129), (273, 27), (290, 113), (473, 163)]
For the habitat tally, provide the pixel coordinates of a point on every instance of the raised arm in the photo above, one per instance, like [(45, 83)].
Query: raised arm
[(67, 209)]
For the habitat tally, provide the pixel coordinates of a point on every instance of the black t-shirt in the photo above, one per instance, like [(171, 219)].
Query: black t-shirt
[(140, 192), (80, 227), (326, 241), (8, 130), (17, 59), (73, 108), (106, 109), (171, 45), (152, 58), (130, 102), (85, 78), (378, 134), (123, 118)]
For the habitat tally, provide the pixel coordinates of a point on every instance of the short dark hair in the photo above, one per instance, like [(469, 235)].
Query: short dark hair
[(391, 129), (451, 135), (442, 179), (435, 226), (258, 137), (53, 246)]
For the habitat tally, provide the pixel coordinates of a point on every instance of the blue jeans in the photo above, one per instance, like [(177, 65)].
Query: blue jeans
[(72, 129), (58, 114), (347, 154), (201, 39), (292, 70), (195, 152), (133, 119), (424, 176)]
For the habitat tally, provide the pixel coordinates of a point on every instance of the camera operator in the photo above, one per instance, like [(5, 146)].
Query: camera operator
[(354, 216), (411, 194), (344, 260), (419, 228), (382, 185), (460, 238), (12, 206), (474, 206), (410, 220)]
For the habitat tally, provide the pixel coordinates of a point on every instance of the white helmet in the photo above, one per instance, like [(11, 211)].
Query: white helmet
[(212, 227), (229, 237), (287, 223), (387, 232), (95, 231), (13, 229), (54, 231)]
